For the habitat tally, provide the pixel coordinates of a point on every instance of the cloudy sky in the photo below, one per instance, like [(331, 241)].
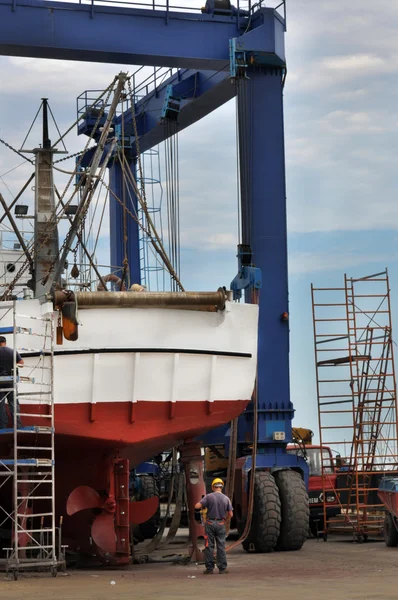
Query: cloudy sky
[(341, 124)]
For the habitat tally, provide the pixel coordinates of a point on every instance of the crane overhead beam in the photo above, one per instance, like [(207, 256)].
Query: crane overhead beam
[(201, 92), (114, 34)]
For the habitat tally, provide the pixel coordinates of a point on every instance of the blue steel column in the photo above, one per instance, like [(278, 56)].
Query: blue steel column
[(262, 157), (122, 189)]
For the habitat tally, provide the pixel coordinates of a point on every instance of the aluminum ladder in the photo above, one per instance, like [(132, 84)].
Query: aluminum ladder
[(27, 459)]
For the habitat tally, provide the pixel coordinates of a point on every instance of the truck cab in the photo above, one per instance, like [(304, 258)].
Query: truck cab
[(316, 490)]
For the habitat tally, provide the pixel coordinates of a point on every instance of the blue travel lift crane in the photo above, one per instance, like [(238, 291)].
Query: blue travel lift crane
[(218, 52)]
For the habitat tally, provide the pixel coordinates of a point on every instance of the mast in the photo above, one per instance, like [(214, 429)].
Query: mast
[(100, 160), (46, 237)]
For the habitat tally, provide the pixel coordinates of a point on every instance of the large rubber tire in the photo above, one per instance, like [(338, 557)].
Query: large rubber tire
[(149, 489), (390, 532), (295, 510), (266, 521)]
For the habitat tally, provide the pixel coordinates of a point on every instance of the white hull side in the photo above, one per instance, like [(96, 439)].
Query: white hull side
[(133, 355)]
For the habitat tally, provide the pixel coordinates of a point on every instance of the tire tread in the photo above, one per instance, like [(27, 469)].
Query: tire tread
[(295, 510), (265, 527)]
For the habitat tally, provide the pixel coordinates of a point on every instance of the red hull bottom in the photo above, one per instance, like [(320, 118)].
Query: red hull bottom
[(137, 430), (88, 434)]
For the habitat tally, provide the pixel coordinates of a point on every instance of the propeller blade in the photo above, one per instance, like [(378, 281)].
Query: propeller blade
[(103, 532), (81, 498), (143, 510)]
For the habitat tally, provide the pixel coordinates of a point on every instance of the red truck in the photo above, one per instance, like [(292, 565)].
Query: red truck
[(315, 488)]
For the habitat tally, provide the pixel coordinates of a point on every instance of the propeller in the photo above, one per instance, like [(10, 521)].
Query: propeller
[(103, 528), (81, 498)]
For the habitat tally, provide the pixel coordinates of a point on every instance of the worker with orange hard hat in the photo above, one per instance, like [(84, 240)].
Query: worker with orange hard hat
[(219, 508)]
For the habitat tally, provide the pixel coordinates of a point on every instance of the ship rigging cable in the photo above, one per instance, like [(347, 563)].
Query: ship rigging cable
[(89, 179), (125, 236), (149, 229), (54, 220), (16, 151), (153, 233), (86, 187), (172, 262), (172, 194), (83, 245)]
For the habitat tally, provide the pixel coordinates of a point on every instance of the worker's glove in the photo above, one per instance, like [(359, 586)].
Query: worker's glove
[(197, 515)]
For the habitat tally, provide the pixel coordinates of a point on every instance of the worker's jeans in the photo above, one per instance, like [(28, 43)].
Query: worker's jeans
[(215, 532), (8, 396)]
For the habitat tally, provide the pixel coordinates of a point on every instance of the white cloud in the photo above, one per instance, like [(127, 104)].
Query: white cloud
[(303, 263), (222, 240), (358, 63), (348, 122), (353, 94)]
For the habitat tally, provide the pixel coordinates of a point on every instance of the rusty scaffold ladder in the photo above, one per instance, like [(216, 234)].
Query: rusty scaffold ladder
[(27, 452), (357, 402)]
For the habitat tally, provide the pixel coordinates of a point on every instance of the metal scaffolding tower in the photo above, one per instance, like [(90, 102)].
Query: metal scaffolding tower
[(27, 466), (357, 403)]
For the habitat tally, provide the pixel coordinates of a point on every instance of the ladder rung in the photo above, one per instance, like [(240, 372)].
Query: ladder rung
[(34, 394), (26, 331), (36, 547), (38, 415), (328, 289), (373, 343), (327, 365), (37, 351), (34, 318), (334, 380), (47, 514), (23, 530), (370, 296), (35, 429), (339, 427), (318, 350), (335, 412), (35, 498), (329, 320), (337, 304), (327, 335), (347, 396), (49, 448), (374, 328)]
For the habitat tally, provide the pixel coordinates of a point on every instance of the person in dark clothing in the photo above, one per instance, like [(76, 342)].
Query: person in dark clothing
[(219, 508), (7, 387)]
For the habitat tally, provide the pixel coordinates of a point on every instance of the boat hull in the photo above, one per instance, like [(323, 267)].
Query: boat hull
[(137, 382), (136, 431), (139, 376)]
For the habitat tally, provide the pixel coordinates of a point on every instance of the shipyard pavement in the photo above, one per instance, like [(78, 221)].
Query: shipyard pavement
[(319, 571)]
